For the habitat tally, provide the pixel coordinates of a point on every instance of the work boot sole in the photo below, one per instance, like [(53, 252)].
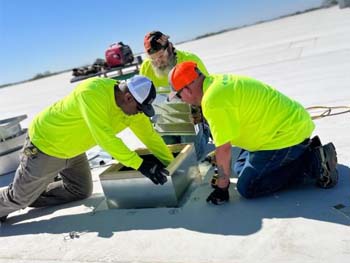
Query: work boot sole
[(329, 177)]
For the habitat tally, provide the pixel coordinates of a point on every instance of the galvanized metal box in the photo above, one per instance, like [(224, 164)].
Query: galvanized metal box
[(125, 188)]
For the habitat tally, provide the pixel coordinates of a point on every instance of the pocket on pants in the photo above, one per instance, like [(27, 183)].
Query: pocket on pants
[(29, 151)]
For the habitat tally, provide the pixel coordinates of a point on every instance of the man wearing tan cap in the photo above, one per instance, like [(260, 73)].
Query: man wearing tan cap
[(162, 57), (272, 130)]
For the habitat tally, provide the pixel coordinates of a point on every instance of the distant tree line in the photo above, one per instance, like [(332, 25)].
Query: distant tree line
[(37, 76), (341, 3), (42, 75), (325, 4)]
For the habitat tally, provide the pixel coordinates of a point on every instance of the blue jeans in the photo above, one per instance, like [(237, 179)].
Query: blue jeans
[(201, 141), (265, 172)]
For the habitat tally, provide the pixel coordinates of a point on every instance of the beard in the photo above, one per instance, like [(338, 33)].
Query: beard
[(163, 70)]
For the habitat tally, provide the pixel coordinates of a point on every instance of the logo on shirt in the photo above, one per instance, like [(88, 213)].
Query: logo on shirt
[(225, 79)]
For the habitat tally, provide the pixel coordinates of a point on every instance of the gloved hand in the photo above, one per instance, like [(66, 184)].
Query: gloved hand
[(219, 196), (154, 171)]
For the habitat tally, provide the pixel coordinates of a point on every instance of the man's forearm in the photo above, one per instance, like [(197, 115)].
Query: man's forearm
[(223, 162)]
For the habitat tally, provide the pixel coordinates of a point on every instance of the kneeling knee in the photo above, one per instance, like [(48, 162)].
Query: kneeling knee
[(82, 193), (244, 191), (86, 193)]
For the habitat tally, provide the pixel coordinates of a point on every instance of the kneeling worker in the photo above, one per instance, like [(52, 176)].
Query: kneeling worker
[(92, 114), (273, 131)]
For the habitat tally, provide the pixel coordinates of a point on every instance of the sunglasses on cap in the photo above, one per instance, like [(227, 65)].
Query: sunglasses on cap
[(151, 42), (156, 47)]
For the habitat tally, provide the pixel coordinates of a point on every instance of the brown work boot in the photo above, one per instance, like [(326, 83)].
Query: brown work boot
[(329, 174)]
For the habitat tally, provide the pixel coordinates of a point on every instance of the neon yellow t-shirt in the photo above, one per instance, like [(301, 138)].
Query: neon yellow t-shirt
[(252, 115), (162, 82), (89, 116)]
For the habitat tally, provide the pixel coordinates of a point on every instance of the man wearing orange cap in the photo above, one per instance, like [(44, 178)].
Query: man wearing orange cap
[(162, 57), (272, 130)]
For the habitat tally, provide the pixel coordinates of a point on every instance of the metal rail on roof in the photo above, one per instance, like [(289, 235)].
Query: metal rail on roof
[(318, 112)]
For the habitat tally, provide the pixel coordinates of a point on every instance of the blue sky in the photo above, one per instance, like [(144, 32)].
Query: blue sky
[(41, 35)]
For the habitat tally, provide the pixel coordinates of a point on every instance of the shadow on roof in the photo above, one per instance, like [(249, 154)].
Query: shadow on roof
[(239, 217)]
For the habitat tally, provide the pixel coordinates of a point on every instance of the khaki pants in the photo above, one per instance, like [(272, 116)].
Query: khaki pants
[(35, 185)]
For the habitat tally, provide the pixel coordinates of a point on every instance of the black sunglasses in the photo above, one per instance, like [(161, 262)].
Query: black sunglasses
[(138, 106), (178, 94)]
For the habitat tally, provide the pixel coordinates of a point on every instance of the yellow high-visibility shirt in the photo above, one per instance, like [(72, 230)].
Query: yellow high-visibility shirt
[(89, 116), (162, 82), (252, 115)]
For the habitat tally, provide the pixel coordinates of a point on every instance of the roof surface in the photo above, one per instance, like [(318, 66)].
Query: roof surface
[(307, 57)]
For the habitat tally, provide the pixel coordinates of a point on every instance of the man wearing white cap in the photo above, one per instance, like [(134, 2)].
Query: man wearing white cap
[(58, 137)]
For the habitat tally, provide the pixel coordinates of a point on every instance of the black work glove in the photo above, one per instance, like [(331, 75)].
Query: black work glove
[(219, 196), (154, 171)]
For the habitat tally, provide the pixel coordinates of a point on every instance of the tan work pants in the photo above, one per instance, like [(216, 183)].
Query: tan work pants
[(36, 181)]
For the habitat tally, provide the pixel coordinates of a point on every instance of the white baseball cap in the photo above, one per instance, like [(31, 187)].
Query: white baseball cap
[(144, 92)]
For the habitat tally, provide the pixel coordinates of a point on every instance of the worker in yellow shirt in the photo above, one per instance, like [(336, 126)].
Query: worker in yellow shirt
[(272, 130), (58, 137), (161, 58)]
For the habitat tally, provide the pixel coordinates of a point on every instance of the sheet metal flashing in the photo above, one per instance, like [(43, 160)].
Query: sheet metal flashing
[(130, 189)]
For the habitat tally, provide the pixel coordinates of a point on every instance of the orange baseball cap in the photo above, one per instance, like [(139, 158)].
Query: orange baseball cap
[(181, 75)]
